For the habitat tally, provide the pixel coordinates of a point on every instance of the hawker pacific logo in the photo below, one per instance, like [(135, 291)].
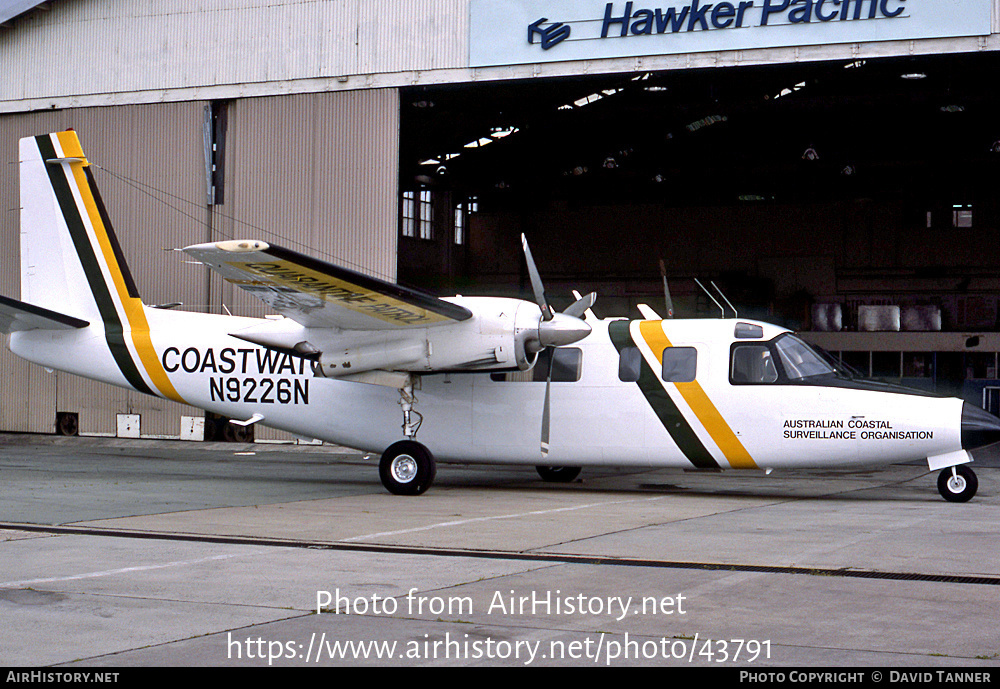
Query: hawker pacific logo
[(625, 20), (550, 35)]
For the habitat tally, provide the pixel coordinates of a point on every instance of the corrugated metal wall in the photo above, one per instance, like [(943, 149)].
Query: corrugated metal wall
[(174, 44), (141, 154), (20, 382), (320, 170), (317, 173)]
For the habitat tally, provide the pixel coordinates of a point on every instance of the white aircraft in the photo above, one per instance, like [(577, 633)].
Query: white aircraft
[(501, 381)]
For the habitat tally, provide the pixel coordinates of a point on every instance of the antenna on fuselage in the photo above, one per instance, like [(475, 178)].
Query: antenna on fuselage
[(698, 282), (735, 313)]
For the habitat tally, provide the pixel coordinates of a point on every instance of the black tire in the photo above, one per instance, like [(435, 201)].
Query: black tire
[(67, 423), (235, 433), (558, 474), (958, 487), (407, 468)]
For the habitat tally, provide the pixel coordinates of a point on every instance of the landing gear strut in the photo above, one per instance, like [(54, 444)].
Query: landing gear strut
[(407, 468), (406, 402), (957, 483)]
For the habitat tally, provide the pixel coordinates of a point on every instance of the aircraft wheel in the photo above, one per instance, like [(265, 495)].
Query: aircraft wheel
[(407, 468), (958, 486), (558, 474), (67, 423)]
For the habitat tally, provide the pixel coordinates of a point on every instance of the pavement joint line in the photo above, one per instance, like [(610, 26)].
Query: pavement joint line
[(111, 572), (562, 558), (474, 520)]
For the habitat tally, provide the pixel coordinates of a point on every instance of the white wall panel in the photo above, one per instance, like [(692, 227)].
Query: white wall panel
[(84, 48)]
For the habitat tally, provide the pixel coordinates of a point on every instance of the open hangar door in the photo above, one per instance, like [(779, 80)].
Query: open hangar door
[(867, 182)]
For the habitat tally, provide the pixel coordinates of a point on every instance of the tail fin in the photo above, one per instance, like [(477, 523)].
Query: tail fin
[(71, 262), (67, 241)]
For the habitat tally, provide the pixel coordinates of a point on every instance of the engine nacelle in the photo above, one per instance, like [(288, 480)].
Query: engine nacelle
[(502, 335), (499, 336)]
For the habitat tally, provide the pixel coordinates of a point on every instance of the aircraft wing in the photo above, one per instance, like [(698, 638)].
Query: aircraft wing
[(16, 316), (318, 294)]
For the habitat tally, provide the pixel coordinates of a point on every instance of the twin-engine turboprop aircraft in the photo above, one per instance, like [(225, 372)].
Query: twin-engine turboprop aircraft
[(368, 364)]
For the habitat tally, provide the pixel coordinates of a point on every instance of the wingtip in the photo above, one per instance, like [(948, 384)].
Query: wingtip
[(230, 245), (242, 245)]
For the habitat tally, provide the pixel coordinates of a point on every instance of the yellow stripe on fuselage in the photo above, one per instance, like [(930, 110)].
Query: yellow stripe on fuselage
[(134, 313), (701, 405)]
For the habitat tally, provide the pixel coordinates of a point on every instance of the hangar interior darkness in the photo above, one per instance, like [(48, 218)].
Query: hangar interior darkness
[(868, 182)]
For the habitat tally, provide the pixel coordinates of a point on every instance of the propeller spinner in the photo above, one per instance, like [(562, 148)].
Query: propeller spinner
[(554, 330)]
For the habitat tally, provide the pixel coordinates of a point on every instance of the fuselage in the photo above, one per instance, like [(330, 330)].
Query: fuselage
[(370, 364), (709, 394)]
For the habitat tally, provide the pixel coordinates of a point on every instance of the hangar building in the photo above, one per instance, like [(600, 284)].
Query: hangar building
[(832, 165)]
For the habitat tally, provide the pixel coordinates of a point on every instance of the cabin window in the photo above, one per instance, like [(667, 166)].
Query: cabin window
[(680, 364), (566, 363), (629, 365), (752, 364)]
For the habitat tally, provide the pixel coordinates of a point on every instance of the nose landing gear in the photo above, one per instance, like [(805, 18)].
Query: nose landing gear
[(957, 483)]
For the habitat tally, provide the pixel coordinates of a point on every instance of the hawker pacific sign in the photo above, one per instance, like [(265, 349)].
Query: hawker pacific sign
[(529, 31)]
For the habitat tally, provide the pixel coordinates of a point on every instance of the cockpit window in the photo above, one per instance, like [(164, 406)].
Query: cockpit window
[(752, 363), (785, 359), (799, 359), (843, 369)]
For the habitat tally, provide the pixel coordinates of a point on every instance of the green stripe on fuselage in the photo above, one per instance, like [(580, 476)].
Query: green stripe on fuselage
[(664, 408)]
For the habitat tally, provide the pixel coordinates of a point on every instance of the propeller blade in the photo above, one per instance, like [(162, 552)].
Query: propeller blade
[(536, 281), (666, 290), (580, 306), (554, 330), (545, 413)]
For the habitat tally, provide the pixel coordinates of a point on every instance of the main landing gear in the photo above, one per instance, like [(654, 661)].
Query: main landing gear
[(558, 474), (407, 468), (957, 483)]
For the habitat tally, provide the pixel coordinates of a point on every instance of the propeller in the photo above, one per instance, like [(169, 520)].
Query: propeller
[(554, 330), (666, 290)]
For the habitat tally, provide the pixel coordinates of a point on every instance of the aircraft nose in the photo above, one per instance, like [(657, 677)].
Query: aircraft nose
[(979, 427)]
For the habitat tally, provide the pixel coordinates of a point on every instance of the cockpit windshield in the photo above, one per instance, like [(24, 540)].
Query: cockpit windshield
[(843, 369), (800, 360)]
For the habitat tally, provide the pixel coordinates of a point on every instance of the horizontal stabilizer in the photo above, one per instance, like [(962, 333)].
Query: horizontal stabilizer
[(16, 316), (317, 294)]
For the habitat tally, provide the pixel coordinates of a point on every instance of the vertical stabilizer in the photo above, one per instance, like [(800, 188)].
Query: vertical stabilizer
[(71, 261), (66, 238)]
